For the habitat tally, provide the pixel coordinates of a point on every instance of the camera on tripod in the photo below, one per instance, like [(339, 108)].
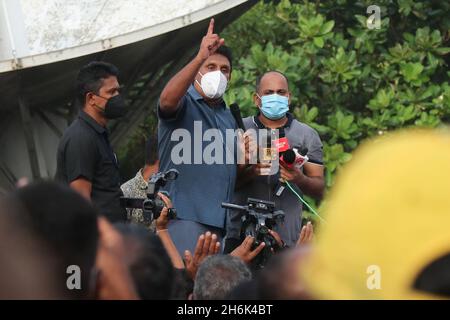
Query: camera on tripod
[(258, 218), (153, 205)]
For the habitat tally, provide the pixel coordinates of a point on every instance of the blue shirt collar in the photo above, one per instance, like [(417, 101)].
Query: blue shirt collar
[(197, 96), (194, 93)]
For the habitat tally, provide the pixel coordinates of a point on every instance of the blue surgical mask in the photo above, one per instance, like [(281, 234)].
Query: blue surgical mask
[(274, 106)]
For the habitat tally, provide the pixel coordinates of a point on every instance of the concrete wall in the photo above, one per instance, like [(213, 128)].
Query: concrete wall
[(57, 24)]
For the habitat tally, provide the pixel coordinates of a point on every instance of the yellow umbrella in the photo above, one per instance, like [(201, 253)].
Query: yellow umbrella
[(388, 217)]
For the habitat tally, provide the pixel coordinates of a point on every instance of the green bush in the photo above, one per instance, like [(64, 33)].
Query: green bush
[(347, 81)]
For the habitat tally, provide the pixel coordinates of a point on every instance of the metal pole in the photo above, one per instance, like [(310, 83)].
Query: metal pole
[(8, 27), (29, 137)]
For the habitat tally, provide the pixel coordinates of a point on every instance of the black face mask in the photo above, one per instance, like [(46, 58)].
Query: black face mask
[(115, 108)]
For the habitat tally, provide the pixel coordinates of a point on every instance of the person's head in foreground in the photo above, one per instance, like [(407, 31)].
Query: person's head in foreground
[(218, 276), (388, 220), (279, 280), (149, 265), (66, 226), (27, 266)]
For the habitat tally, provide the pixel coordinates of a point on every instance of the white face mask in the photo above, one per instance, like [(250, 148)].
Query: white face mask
[(213, 84)]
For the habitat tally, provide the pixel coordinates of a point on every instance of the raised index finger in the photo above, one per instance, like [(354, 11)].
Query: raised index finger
[(211, 27)]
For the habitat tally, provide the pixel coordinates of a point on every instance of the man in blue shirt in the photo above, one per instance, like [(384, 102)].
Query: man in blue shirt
[(189, 109)]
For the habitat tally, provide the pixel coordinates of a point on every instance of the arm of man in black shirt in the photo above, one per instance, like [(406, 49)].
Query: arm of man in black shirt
[(79, 162), (83, 187), (177, 87)]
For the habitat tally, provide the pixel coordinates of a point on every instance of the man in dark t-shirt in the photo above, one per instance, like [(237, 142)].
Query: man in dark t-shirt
[(273, 98), (85, 159)]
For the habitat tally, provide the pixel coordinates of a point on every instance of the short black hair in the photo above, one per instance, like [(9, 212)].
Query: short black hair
[(91, 76), (227, 53), (151, 269), (259, 78), (151, 150), (65, 222)]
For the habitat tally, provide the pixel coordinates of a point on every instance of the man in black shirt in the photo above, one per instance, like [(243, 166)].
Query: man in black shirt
[(86, 160)]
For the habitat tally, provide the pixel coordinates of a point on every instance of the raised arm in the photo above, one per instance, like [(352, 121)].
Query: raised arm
[(163, 234), (177, 87)]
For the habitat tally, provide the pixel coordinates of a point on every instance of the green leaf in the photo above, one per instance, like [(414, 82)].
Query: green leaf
[(411, 71), (362, 20), (318, 41), (442, 51), (327, 27)]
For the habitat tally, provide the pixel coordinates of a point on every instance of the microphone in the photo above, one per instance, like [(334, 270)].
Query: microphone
[(277, 144), (288, 158), (236, 112), (292, 158), (282, 143)]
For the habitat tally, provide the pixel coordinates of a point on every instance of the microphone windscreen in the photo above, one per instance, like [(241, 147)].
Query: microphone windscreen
[(289, 156), (304, 152)]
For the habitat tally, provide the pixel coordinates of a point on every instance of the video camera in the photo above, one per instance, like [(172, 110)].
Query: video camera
[(258, 218), (153, 205)]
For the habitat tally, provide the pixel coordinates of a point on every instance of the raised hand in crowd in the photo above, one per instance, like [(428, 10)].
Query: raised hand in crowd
[(163, 220), (163, 233), (245, 252), (277, 238), (306, 235), (207, 245)]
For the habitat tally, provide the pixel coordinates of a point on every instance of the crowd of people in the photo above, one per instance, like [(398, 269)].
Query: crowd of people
[(387, 218)]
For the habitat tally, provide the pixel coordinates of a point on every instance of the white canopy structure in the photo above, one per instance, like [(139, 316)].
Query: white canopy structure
[(43, 44)]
